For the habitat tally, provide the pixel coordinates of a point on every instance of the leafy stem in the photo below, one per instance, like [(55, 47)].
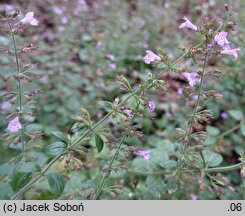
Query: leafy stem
[(19, 88), (207, 170), (27, 186), (107, 173), (198, 94)]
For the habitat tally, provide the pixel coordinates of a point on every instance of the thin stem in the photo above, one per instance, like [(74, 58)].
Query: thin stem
[(231, 130), (198, 94), (27, 186), (208, 170), (226, 168), (107, 173), (19, 88)]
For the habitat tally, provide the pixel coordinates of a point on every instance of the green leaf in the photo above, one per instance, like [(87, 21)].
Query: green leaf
[(19, 179), (155, 185), (212, 131), (105, 105), (56, 183), (236, 114), (57, 148), (98, 142), (242, 129), (5, 191), (34, 127), (61, 136), (211, 159), (29, 167), (169, 164)]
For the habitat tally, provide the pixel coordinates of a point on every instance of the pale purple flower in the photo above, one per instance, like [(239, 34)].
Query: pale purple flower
[(169, 115), (151, 57), (129, 112), (5, 105), (188, 24), (224, 115), (232, 52), (195, 97), (145, 46), (64, 20), (58, 11), (113, 66), (14, 125), (135, 73), (111, 57), (191, 77), (193, 196), (145, 154), (180, 91), (29, 19), (8, 7), (151, 105), (221, 40)]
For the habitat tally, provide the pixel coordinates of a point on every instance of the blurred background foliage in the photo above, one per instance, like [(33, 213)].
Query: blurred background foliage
[(83, 45)]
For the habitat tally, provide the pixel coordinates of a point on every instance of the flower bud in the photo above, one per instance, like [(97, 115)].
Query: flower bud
[(226, 7), (16, 13), (243, 172)]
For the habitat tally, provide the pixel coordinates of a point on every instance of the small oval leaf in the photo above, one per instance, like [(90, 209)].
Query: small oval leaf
[(56, 183), (57, 148), (98, 142), (236, 114), (211, 159), (61, 136), (19, 179)]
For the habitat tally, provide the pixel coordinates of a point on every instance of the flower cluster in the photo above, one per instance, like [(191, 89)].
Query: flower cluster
[(221, 40), (191, 77), (29, 19)]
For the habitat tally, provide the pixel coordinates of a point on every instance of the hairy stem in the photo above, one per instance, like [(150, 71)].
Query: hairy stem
[(207, 170), (198, 94), (232, 129), (107, 173), (19, 89)]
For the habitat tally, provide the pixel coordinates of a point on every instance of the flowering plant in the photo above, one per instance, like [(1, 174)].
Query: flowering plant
[(136, 139)]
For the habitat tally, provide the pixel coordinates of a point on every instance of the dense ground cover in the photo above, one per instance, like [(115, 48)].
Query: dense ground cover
[(81, 66)]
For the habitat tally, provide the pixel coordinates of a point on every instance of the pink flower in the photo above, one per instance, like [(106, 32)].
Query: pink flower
[(8, 7), (180, 91), (14, 125), (58, 11), (64, 20), (218, 95), (232, 52), (221, 40), (193, 196), (129, 112), (5, 105), (191, 77), (151, 57), (188, 24), (143, 153), (113, 66), (111, 57), (224, 115), (29, 19), (151, 105)]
